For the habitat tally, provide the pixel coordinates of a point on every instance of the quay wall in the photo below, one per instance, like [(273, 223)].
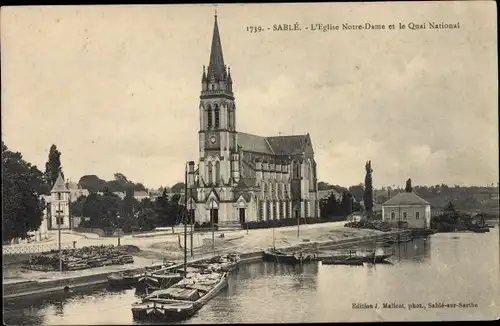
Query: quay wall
[(25, 289)]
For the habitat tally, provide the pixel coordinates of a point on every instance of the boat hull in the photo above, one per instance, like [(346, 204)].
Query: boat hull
[(149, 283), (159, 311), (354, 260), (121, 281), (287, 258), (342, 262)]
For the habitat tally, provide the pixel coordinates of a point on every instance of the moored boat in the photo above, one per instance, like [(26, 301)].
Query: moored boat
[(353, 259), (287, 258), (226, 263), (353, 262), (376, 259), (122, 279), (149, 282), (182, 300), (481, 230)]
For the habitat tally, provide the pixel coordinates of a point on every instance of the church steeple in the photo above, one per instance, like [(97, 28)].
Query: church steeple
[(216, 67)]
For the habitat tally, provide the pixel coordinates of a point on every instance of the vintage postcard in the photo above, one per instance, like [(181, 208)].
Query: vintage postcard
[(250, 163)]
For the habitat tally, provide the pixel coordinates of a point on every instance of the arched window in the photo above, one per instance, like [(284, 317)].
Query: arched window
[(261, 211), (209, 119), (229, 117), (296, 169), (210, 173), (265, 189), (217, 111), (311, 175), (217, 172)]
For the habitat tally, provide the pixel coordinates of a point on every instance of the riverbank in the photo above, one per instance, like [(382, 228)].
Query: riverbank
[(26, 286)]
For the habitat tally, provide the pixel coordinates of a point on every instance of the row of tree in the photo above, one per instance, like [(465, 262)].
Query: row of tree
[(120, 183), (333, 207), (109, 210)]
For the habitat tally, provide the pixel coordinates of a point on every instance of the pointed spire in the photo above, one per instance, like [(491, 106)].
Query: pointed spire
[(229, 79), (204, 76), (216, 65), (60, 185)]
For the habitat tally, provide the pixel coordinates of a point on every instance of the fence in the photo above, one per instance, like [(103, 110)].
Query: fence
[(34, 248)]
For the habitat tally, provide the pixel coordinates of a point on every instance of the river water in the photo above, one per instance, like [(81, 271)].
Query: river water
[(449, 268)]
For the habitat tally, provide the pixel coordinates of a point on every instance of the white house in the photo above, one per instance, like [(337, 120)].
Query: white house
[(407, 207), (59, 205)]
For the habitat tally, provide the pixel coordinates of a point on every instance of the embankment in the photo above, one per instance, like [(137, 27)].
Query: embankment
[(24, 289)]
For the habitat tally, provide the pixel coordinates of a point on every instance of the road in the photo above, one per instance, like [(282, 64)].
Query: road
[(250, 240)]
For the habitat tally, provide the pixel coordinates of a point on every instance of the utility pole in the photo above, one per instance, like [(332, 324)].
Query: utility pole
[(185, 220), (59, 236), (192, 229), (213, 232), (298, 217), (119, 230)]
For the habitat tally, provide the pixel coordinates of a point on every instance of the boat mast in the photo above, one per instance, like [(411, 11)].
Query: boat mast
[(185, 220)]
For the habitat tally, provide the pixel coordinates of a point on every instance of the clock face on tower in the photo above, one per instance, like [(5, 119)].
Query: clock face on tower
[(212, 139)]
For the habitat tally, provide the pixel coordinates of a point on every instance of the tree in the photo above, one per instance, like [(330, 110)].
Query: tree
[(357, 191), (92, 183), (76, 207), (408, 187), (324, 186), (178, 187), (129, 205), (22, 210), (175, 210), (330, 207), (346, 204), (164, 210), (92, 208), (139, 187), (120, 177), (53, 166), (368, 195), (146, 215)]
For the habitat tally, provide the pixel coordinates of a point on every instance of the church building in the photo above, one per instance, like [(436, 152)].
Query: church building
[(242, 177)]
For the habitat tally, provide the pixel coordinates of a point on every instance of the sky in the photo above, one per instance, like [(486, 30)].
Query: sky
[(116, 88)]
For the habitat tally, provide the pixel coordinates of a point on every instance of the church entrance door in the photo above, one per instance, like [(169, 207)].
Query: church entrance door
[(214, 214), (242, 216)]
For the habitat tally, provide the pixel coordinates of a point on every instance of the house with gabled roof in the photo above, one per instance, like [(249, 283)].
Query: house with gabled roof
[(59, 205), (407, 207), (242, 177)]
